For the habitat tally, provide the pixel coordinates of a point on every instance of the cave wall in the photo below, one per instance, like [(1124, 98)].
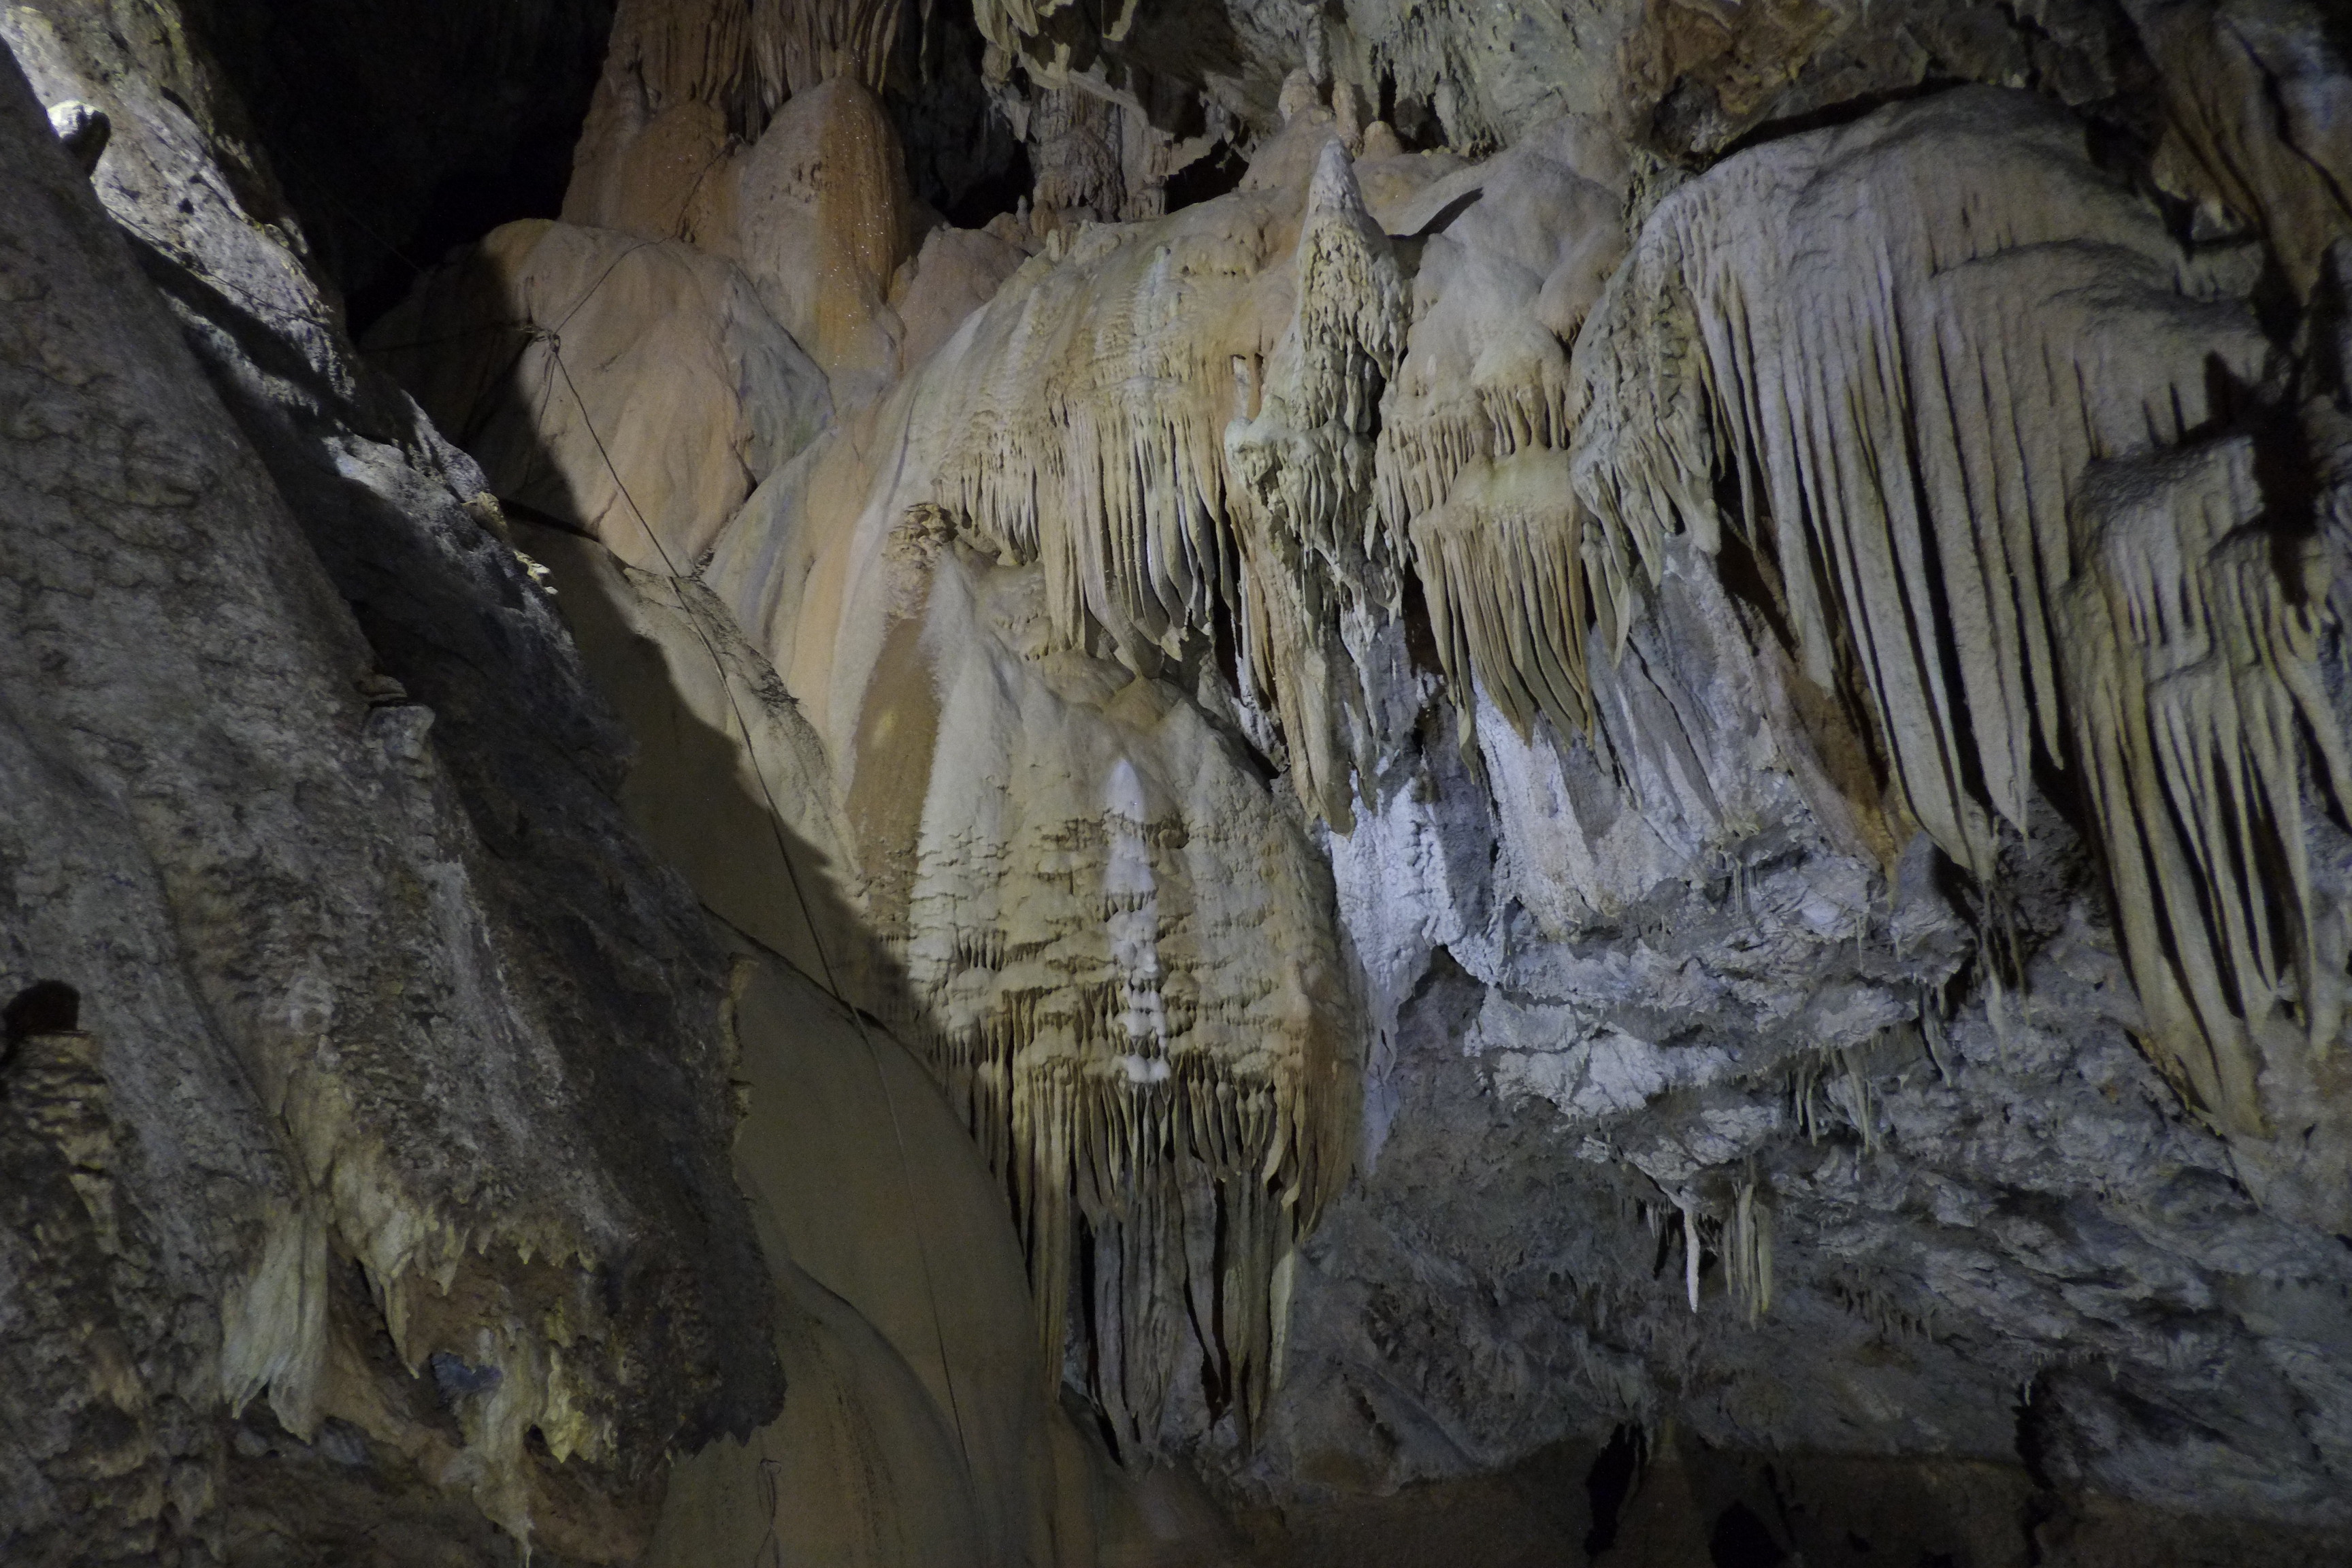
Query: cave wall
[(1603, 736), (1677, 615), (381, 1166)]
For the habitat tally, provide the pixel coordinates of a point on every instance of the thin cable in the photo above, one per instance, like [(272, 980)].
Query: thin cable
[(792, 875), (769, 1552), (685, 207), (556, 331), (188, 261)]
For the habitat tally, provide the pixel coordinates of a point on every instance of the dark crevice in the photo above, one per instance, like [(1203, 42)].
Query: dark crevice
[(2031, 1449), (1752, 581), (1001, 191), (465, 206), (1844, 113), (44, 1007), (398, 130), (1420, 631), (962, 158), (1741, 1540), (1207, 177), (1609, 1483)]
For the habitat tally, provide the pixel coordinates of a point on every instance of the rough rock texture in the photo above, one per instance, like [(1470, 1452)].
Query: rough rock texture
[(1823, 594), (1961, 527), (384, 1108), (1600, 749)]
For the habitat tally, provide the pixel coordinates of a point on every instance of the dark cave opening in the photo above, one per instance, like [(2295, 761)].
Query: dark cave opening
[(962, 158), (44, 1007), (1609, 1483), (1001, 190), (399, 129), (1741, 1540), (466, 204), (1207, 177)]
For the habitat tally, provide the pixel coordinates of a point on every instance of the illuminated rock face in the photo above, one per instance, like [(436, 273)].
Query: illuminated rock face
[(1670, 767)]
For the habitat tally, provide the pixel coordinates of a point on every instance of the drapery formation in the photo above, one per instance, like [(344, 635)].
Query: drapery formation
[(1913, 349)]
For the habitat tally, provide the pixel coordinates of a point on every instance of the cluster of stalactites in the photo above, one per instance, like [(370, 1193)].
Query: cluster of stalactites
[(1419, 460), (1192, 1193), (1167, 469), (2190, 659), (1501, 563), (1317, 561), (744, 57), (1909, 347), (1480, 488), (1167, 1140), (1481, 401), (1350, 327), (1909, 414), (1118, 492)]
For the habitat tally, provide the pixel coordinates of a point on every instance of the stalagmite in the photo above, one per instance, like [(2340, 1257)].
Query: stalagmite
[(1310, 544), (616, 385), (822, 224), (687, 82)]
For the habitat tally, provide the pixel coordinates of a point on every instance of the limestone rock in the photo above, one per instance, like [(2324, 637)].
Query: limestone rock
[(346, 1045), (631, 388), (824, 225), (1971, 546), (1592, 754)]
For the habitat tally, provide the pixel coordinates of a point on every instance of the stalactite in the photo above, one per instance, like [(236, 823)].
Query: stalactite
[(1747, 1258), (1131, 1003), (1911, 442), (746, 56), (1835, 1079), (1089, 439), (1308, 531), (1420, 459), (1904, 346), (1878, 1309), (1850, 1088), (2190, 669), (1480, 408), (1172, 428), (1501, 565), (1690, 1253)]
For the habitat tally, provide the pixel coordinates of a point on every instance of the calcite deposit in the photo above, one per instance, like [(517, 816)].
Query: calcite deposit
[(1205, 782)]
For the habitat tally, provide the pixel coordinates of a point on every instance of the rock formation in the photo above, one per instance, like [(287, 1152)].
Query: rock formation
[(1465, 784), (385, 1105)]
